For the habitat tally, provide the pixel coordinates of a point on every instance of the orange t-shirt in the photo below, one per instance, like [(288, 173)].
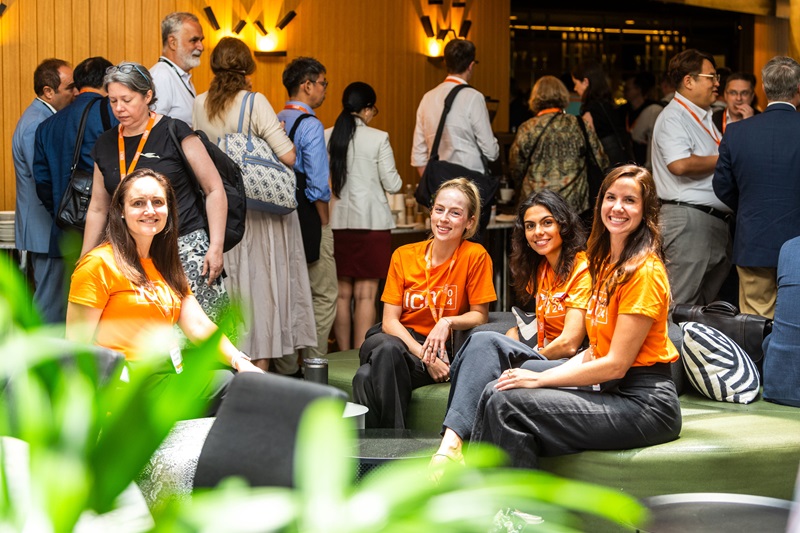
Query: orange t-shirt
[(469, 282), (645, 293), (129, 312), (552, 302)]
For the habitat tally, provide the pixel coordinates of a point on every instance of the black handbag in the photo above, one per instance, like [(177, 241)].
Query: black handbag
[(748, 331), (74, 204), (437, 172), (594, 174)]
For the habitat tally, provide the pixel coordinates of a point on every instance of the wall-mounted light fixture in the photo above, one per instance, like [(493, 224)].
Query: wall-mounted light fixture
[(435, 2), (239, 27), (209, 15), (261, 29), (457, 3), (463, 31), (286, 20), (426, 25)]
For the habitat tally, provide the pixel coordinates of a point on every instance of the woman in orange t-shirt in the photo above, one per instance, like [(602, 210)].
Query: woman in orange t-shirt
[(433, 288), (132, 286), (617, 394), (548, 264)]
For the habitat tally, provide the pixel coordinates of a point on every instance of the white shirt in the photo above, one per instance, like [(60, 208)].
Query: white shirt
[(174, 90), (467, 132), (642, 129), (677, 135)]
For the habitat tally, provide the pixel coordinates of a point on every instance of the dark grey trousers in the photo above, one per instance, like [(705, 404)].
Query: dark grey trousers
[(641, 410), (482, 358)]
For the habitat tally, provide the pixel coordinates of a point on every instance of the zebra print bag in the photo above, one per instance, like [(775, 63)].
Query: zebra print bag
[(716, 366)]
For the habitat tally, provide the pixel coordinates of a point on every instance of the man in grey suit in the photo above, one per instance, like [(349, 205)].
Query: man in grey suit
[(54, 88)]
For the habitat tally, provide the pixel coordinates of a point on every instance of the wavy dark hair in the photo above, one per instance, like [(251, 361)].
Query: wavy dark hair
[(642, 242), (598, 90), (231, 61), (163, 250), (525, 262), (357, 96)]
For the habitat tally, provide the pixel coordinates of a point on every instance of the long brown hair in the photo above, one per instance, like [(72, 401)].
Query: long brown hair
[(641, 243), (164, 248), (231, 61), (524, 262)]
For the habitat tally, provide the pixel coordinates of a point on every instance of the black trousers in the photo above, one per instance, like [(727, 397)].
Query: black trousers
[(641, 410), (386, 378)]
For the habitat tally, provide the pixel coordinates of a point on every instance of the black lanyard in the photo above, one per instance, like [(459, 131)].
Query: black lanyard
[(168, 62)]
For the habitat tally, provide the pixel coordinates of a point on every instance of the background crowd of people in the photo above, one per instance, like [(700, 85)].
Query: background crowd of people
[(675, 172)]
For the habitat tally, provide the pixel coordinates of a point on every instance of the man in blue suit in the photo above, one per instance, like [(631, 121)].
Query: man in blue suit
[(54, 89), (758, 176), (55, 146)]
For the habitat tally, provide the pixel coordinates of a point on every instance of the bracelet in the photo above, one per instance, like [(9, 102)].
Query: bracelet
[(238, 356), (448, 322)]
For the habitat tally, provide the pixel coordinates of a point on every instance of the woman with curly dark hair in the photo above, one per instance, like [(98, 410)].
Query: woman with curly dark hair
[(549, 265), (617, 394)]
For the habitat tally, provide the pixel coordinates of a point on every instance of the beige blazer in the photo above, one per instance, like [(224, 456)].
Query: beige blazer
[(371, 173)]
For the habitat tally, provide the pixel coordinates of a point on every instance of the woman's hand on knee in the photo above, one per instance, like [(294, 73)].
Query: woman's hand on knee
[(518, 378), (435, 345), (439, 371)]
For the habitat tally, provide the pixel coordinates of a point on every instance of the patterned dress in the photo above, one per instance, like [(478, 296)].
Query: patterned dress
[(557, 161)]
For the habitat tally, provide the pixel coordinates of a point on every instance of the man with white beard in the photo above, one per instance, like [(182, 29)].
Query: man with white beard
[(182, 42)]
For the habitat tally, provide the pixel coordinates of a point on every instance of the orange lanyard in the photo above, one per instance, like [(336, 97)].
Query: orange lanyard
[(541, 310), (592, 330), (296, 107), (724, 121), (457, 81), (548, 110), (442, 296), (121, 143), (710, 132)]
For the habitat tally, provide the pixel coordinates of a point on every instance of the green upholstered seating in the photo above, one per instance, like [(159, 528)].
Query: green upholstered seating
[(749, 449)]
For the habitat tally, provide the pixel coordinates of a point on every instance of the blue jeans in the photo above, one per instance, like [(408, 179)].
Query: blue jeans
[(782, 346), (482, 358)]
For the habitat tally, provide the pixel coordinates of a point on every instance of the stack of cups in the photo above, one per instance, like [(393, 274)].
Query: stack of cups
[(399, 205)]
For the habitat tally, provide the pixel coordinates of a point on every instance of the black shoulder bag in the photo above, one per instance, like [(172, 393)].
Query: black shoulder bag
[(310, 223), (594, 174), (437, 172), (74, 204)]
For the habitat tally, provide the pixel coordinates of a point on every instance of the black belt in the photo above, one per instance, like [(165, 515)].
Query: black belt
[(707, 209)]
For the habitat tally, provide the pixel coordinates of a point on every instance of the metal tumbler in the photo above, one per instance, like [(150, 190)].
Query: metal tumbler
[(316, 370)]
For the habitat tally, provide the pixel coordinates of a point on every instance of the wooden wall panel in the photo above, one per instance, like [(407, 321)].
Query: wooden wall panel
[(379, 42)]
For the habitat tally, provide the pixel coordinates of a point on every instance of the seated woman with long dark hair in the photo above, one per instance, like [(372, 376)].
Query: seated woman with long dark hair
[(548, 264), (433, 288), (617, 394), (133, 285)]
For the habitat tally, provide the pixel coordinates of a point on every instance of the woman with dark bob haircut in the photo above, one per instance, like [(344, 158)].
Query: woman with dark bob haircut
[(600, 112), (548, 264), (618, 393)]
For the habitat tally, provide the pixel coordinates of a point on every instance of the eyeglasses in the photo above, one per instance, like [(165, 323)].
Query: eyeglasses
[(715, 77), (743, 94), (323, 83), (126, 68), (374, 111)]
